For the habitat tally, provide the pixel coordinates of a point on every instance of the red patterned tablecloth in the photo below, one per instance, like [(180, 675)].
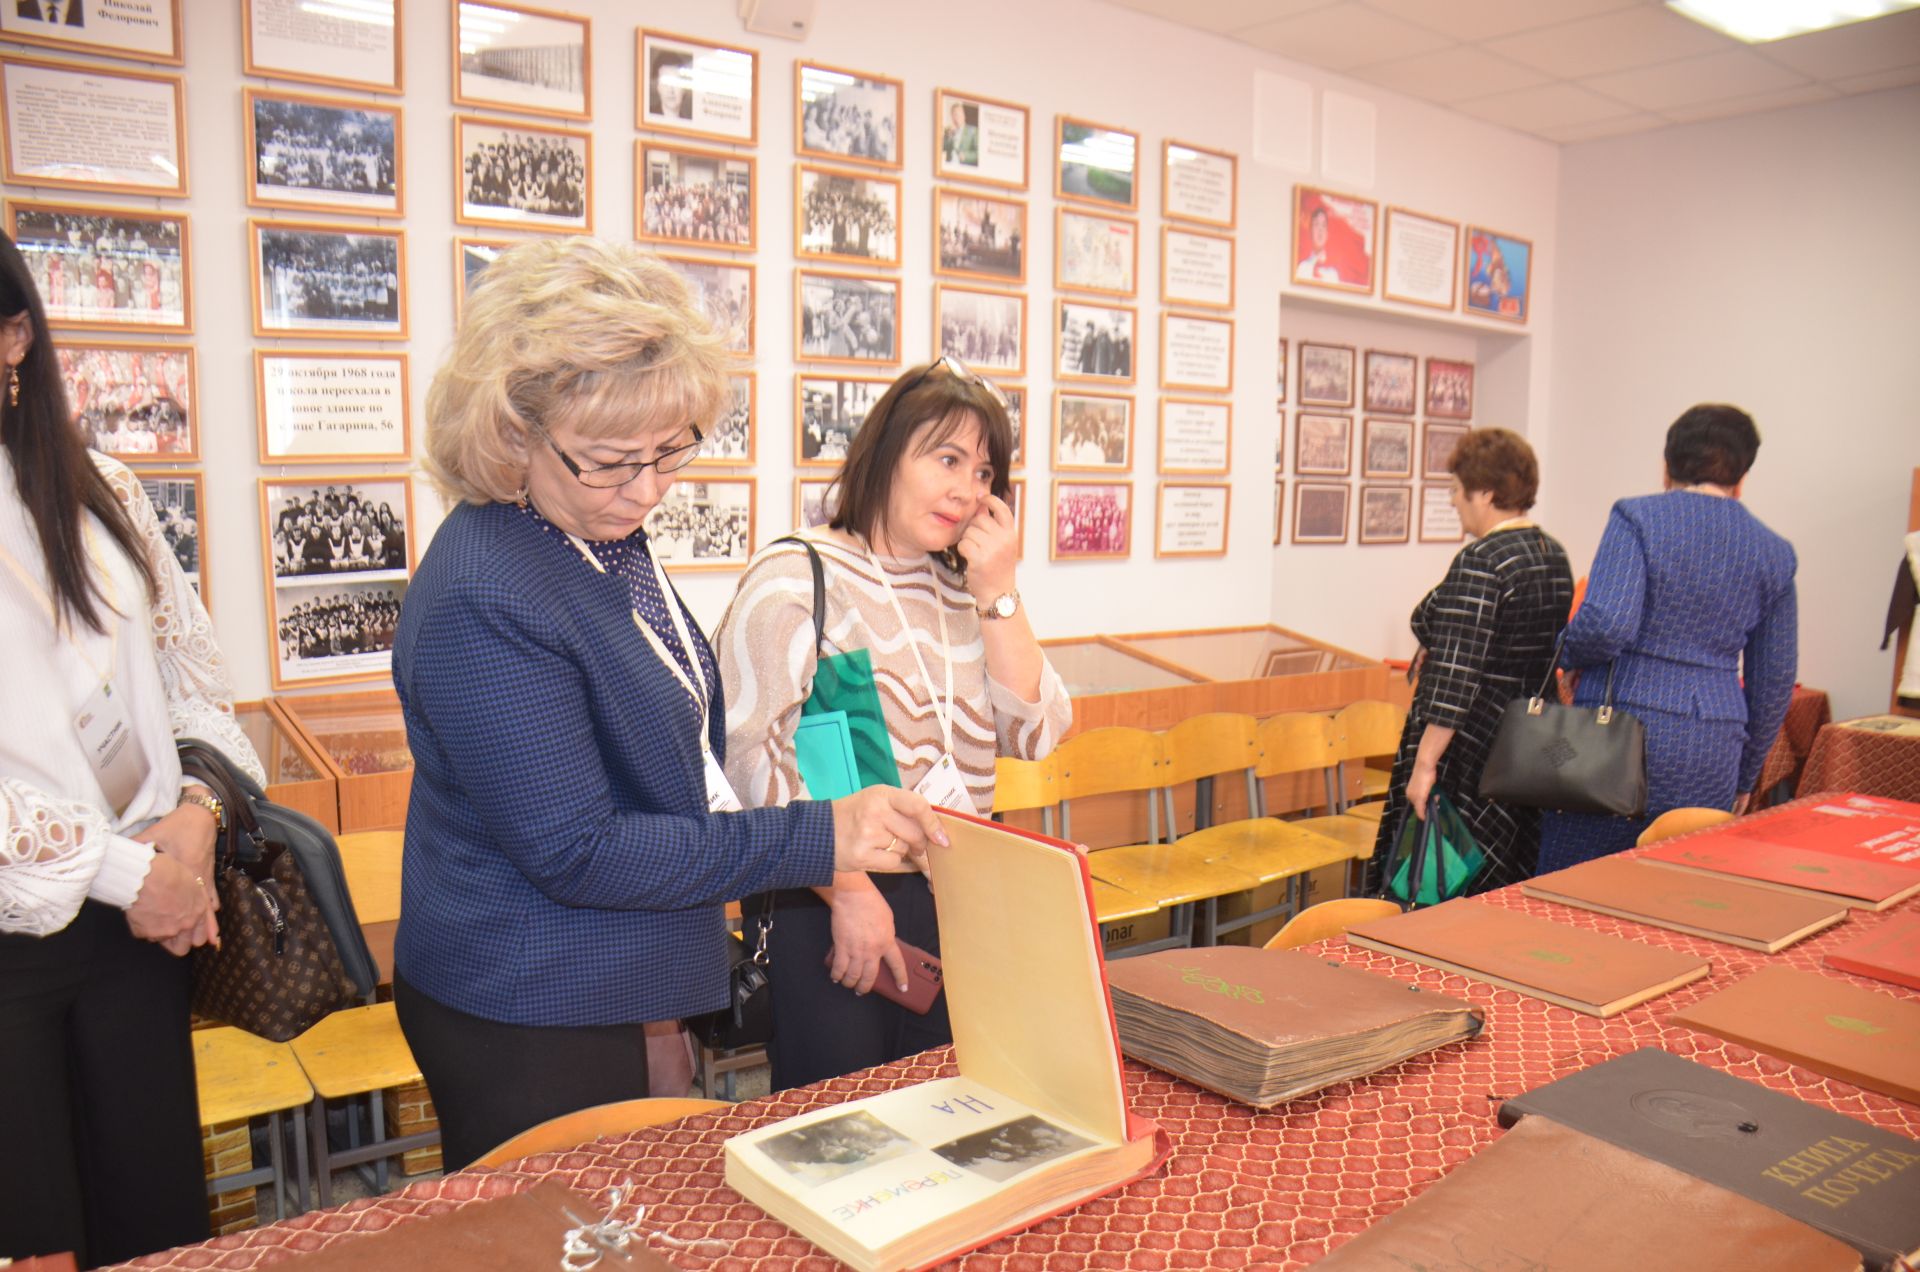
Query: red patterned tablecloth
[(1807, 712), (1849, 756), (1242, 1189)]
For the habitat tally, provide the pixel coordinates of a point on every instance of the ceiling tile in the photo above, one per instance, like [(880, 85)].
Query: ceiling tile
[(1548, 106), (1721, 108), (1447, 75), (1899, 77), (1855, 49), (1221, 16), (1739, 73), (1639, 36), (1484, 19), (1342, 36), (1603, 128)]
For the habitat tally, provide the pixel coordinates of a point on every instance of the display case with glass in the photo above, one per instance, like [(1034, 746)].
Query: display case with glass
[(296, 776), (362, 741)]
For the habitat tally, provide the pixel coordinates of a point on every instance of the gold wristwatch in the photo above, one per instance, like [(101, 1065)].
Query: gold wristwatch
[(209, 801), (1004, 605)]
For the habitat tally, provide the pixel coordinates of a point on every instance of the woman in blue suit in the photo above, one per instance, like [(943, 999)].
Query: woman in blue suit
[(571, 839), (1688, 591)]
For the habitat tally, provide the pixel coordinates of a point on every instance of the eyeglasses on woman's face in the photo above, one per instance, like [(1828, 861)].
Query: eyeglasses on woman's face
[(610, 476)]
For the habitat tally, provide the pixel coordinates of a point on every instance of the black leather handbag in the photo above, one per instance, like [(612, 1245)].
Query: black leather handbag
[(1568, 759)]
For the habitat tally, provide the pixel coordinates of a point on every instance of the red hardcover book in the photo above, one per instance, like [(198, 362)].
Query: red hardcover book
[(1857, 827), (1872, 885), (1890, 952)]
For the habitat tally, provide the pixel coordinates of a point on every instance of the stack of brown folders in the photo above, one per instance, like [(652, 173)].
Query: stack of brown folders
[(1262, 1026)]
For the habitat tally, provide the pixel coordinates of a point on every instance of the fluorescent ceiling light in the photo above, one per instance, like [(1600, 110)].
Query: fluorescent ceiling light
[(1757, 21)]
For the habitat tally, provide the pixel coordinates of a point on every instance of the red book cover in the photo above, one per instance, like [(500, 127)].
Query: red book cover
[(1857, 827), (1872, 884), (1890, 952)]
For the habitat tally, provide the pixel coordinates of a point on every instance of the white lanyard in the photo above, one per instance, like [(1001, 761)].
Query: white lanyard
[(39, 593), (700, 693), (942, 711)]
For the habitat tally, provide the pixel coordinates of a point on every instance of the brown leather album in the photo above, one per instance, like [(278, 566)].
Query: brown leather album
[(1709, 906)]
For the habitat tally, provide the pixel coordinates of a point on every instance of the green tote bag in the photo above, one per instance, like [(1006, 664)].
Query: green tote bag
[(844, 698)]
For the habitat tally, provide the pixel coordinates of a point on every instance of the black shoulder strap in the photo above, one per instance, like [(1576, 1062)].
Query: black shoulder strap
[(819, 587)]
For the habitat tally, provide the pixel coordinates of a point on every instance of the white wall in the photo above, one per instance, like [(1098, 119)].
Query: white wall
[(1770, 261)]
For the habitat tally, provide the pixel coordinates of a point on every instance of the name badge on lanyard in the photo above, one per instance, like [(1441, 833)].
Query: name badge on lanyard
[(943, 787)]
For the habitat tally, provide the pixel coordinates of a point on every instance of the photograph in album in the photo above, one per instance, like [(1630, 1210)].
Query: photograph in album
[(846, 216), (698, 88), (133, 402), (106, 269), (527, 176), (177, 503), (703, 523), (979, 236), (695, 198), (326, 153), (514, 58)]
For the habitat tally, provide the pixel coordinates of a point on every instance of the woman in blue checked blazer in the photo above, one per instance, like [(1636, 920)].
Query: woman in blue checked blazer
[(568, 853), (1692, 599)]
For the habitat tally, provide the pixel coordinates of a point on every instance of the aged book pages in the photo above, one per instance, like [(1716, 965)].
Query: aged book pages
[(1709, 906)]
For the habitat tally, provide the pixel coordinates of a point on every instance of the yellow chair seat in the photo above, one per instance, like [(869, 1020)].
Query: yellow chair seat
[(355, 1051), (1372, 811), (1374, 783), (1166, 874), (1112, 904), (1267, 848), (1357, 833), (241, 1075), (586, 1125)]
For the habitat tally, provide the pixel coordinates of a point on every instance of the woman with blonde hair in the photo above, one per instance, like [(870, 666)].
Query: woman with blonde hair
[(572, 839)]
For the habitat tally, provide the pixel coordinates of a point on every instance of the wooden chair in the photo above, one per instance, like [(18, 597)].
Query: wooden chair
[(1329, 918), (1020, 785), (371, 861), (1681, 821), (1363, 730), (241, 1077), (585, 1125)]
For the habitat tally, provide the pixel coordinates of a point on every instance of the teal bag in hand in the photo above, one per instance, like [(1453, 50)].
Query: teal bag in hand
[(842, 685), (1434, 860)]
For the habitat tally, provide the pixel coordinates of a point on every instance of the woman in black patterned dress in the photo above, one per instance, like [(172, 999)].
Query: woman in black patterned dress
[(1486, 637)]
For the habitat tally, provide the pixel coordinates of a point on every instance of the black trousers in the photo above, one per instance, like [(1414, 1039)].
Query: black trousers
[(490, 1081), (99, 1118), (822, 1030)]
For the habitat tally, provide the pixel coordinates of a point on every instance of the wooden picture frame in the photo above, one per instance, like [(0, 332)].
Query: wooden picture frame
[(1196, 268), (1335, 241), (1279, 510), (1386, 514), (1421, 259), (879, 228), (1199, 185), (179, 499), (290, 58), (482, 200), (1279, 439), (1449, 393), (693, 515), (736, 435), (717, 283), (1327, 374), (1195, 437), (1095, 253), (695, 75), (970, 323), (162, 380), (1076, 419), (839, 301), (1016, 402), (555, 87), (997, 127), (1017, 500), (1075, 359), (1096, 163), (1439, 519), (291, 301), (1437, 443), (367, 181), (827, 411), (149, 265), (881, 147), (471, 256), (125, 116), (1392, 383), (968, 242), (1320, 511), (1196, 352), (366, 411), (1386, 449), (653, 213), (158, 41), (810, 501), (1322, 444), (1498, 269), (1191, 518), (1097, 541), (1280, 379)]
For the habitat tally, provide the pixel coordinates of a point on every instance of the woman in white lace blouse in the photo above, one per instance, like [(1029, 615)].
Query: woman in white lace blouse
[(105, 854)]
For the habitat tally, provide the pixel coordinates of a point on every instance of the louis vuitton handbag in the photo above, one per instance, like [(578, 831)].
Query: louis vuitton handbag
[(1568, 759)]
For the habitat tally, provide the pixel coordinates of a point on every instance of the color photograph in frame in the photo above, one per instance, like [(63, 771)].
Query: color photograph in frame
[(517, 58), (1386, 449), (1392, 383), (1196, 352), (1422, 255), (1322, 445), (1095, 163), (846, 318), (979, 236), (1190, 518), (690, 197), (979, 139), (91, 26), (726, 292), (471, 256), (1499, 269), (179, 501), (92, 128), (522, 176), (1093, 253), (107, 269), (1437, 445), (1094, 342), (985, 329), (324, 154), (851, 116), (1092, 432), (1199, 185), (829, 410), (1320, 511), (1196, 268), (325, 406), (1386, 514), (1092, 521), (1326, 374), (1196, 436), (702, 524), (731, 443), (318, 279), (281, 39), (852, 217), (135, 402), (1439, 519), (1333, 240), (338, 553), (695, 88), (1449, 389)]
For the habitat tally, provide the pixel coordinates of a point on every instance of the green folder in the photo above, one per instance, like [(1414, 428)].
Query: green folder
[(823, 748)]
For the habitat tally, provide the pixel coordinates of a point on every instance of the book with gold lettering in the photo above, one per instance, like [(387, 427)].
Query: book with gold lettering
[(1709, 906), (1842, 1176), (1037, 1122)]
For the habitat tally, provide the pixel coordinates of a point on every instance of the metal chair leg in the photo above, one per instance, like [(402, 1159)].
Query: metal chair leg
[(322, 1172), (300, 1160), (277, 1159)]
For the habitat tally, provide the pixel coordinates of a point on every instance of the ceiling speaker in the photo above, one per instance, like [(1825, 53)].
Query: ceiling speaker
[(788, 19)]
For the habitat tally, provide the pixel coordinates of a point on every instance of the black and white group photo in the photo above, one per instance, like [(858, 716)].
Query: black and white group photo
[(823, 1151), (105, 270), (1009, 1150), (176, 501), (1326, 374), (339, 528), (1323, 444), (732, 439), (1092, 520), (134, 404), (1016, 396), (1387, 449), (1392, 382), (1096, 342), (318, 152), (846, 217), (982, 237), (696, 196), (1093, 431), (703, 523), (831, 410), (524, 176), (846, 318), (725, 293), (341, 629), (330, 280), (523, 59), (986, 330), (846, 116)]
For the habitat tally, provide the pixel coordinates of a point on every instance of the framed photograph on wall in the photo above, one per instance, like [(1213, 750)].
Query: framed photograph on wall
[(726, 294), (106, 269), (1190, 519), (1333, 240), (284, 39), (845, 216), (317, 279), (1326, 374), (1094, 342), (703, 523), (1279, 439), (1322, 445), (491, 186), (1386, 448), (89, 26), (75, 127), (979, 236), (1095, 163), (135, 402), (1393, 382), (1423, 260), (1092, 521), (471, 256), (979, 139), (1196, 352), (697, 88), (1279, 509), (1198, 184), (1017, 500), (328, 154), (850, 318), (1499, 270), (1386, 514), (179, 501), (1280, 379), (1196, 436), (1016, 396), (1092, 432), (322, 406), (1196, 268), (1439, 519), (694, 198), (1320, 511), (731, 443), (1449, 389), (852, 116), (1436, 450), (828, 410), (512, 57), (1095, 253), (812, 502), (985, 329), (339, 552)]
